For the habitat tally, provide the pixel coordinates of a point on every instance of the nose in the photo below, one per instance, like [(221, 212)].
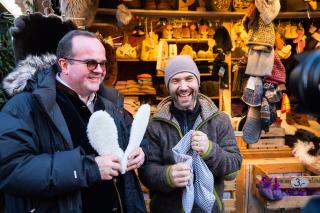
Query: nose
[(183, 85)]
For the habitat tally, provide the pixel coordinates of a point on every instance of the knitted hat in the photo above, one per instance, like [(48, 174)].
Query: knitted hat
[(261, 35), (268, 9), (252, 127), (178, 64), (278, 74)]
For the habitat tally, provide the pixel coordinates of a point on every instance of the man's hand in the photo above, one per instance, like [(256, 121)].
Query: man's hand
[(135, 159), (180, 174), (199, 142), (109, 166)]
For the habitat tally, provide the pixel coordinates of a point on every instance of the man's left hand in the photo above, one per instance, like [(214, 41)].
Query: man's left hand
[(199, 142), (135, 159)]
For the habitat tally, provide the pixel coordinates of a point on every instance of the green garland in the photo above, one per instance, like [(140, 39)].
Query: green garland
[(6, 53)]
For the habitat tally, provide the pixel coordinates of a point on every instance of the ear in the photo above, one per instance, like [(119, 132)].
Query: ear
[(63, 66)]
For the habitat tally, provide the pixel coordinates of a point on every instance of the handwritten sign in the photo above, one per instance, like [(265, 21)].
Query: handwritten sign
[(299, 182)]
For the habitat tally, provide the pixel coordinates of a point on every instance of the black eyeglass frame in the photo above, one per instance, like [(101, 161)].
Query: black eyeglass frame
[(91, 63)]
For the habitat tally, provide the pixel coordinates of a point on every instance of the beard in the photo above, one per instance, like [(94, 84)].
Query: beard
[(185, 99)]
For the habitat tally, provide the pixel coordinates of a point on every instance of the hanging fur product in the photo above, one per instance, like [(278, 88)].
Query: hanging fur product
[(36, 34), (103, 134), (138, 129), (83, 12), (123, 15), (301, 150)]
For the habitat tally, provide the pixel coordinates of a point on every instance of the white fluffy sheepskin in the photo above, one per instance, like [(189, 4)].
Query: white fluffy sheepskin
[(301, 149), (103, 134), (138, 129)]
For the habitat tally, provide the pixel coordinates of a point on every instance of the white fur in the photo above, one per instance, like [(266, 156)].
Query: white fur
[(16, 81), (138, 129), (301, 149), (103, 134)]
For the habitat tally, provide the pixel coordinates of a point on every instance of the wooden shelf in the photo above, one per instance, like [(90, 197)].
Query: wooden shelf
[(187, 40), (131, 59), (201, 74), (175, 13), (207, 14)]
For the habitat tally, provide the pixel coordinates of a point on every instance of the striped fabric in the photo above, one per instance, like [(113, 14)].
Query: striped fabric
[(200, 187)]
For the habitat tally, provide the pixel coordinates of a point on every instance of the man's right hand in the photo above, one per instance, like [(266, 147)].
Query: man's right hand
[(109, 166), (180, 174)]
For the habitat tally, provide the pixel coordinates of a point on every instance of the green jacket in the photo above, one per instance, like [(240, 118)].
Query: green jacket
[(223, 157)]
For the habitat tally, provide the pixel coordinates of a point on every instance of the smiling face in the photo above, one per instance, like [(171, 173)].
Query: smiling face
[(184, 89), (76, 74)]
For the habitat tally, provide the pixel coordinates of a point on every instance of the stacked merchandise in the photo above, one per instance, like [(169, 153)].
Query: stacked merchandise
[(145, 82), (144, 86), (129, 87), (265, 69)]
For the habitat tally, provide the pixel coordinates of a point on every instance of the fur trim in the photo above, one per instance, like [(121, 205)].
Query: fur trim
[(138, 129), (301, 151), (103, 134), (16, 81)]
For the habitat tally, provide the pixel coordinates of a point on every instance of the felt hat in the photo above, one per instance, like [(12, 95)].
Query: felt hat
[(252, 127), (259, 63), (285, 52)]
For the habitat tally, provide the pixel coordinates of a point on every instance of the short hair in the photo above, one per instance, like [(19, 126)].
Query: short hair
[(64, 49)]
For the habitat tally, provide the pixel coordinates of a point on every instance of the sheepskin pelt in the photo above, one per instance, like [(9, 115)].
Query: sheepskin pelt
[(79, 9), (305, 145), (17, 80), (301, 150), (36, 34)]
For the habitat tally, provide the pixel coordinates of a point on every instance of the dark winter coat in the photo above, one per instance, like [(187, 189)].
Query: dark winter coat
[(223, 157), (40, 170)]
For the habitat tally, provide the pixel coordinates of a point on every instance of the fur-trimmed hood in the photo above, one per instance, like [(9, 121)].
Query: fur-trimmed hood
[(16, 81)]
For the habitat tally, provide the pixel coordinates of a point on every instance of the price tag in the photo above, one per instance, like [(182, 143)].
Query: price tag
[(299, 182)]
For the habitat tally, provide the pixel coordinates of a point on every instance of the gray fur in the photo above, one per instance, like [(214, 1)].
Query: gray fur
[(16, 81), (80, 9)]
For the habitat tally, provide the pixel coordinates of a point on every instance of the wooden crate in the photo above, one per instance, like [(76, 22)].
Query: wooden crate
[(240, 142), (230, 203), (272, 139), (288, 175)]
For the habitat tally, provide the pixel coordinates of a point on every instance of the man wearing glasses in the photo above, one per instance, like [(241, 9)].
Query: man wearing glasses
[(46, 161)]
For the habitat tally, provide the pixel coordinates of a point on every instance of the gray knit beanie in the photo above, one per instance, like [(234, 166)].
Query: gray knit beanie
[(178, 64)]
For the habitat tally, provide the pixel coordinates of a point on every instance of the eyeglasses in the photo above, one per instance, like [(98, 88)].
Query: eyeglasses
[(91, 63)]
